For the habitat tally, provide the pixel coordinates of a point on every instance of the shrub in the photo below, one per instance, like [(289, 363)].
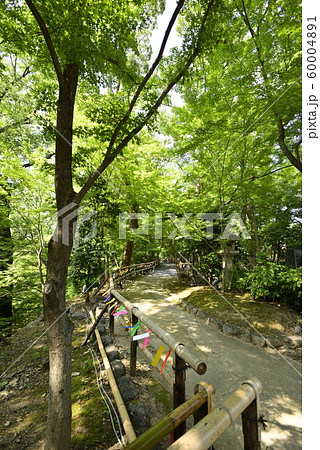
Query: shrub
[(274, 282)]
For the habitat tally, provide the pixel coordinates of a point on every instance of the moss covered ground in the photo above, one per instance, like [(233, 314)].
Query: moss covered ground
[(269, 318)]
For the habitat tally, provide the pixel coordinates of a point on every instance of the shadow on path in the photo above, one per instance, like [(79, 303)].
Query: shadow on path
[(230, 361)]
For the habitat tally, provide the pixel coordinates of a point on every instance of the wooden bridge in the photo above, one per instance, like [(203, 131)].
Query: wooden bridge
[(208, 424)]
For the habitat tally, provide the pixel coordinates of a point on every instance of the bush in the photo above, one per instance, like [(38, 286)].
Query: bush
[(274, 282)]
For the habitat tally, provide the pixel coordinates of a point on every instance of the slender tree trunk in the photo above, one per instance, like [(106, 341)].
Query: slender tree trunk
[(59, 326), (254, 227), (128, 254), (130, 244), (6, 258), (59, 333)]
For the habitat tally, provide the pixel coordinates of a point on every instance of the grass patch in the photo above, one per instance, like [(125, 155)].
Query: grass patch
[(23, 406), (161, 394), (268, 318)]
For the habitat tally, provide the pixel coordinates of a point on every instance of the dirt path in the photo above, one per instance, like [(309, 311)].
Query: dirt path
[(230, 361)]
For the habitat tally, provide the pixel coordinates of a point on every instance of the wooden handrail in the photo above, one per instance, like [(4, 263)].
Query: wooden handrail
[(171, 421), (153, 263), (211, 427), (193, 361)]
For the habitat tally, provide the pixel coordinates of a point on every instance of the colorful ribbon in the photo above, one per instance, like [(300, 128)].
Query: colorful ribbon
[(158, 356), (146, 339), (164, 362), (134, 329), (120, 312), (141, 336)]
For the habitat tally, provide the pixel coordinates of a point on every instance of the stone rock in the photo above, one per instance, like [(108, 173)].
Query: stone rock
[(139, 416), (75, 374), (183, 305), (106, 340), (118, 369), (298, 330), (258, 340), (290, 352), (98, 310), (97, 298), (275, 341), (245, 335), (230, 330), (102, 329), (112, 352), (194, 310), (201, 315), (127, 388), (211, 322), (293, 341), (189, 307), (78, 315)]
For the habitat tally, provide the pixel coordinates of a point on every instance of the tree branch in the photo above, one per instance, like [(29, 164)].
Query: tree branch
[(26, 121), (295, 161), (30, 164), (16, 80), (147, 76), (111, 156), (268, 173), (296, 147), (116, 63), (48, 40), (281, 139)]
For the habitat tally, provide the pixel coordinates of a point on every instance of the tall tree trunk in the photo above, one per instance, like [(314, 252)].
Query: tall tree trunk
[(59, 326), (130, 244), (254, 227), (59, 333), (127, 254), (6, 258)]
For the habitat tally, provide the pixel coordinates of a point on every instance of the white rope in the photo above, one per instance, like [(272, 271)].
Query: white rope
[(102, 393), (105, 396)]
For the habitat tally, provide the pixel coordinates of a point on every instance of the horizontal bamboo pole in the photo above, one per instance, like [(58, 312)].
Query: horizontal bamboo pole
[(131, 273), (152, 263), (134, 265), (197, 365), (156, 433), (150, 357), (127, 425), (211, 427)]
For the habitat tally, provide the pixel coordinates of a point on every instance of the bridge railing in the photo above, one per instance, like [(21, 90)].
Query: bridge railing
[(209, 424), (182, 357), (120, 273)]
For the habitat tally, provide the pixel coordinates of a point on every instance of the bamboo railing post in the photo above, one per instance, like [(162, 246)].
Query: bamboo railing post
[(111, 321), (212, 426), (179, 390), (94, 325), (250, 427), (204, 409), (133, 350)]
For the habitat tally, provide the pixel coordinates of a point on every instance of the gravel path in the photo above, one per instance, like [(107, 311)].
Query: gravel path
[(230, 361)]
